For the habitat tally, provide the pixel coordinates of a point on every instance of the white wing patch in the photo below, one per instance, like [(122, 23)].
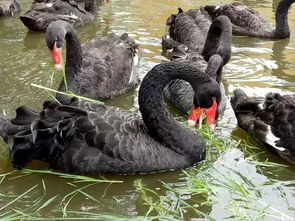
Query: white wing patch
[(271, 139)]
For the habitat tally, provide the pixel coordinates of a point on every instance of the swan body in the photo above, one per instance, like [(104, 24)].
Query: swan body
[(189, 28), (249, 22), (217, 42), (95, 139), (42, 14), (9, 7), (102, 68), (269, 120)]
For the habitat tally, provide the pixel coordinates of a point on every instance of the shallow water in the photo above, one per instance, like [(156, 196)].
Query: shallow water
[(257, 65)]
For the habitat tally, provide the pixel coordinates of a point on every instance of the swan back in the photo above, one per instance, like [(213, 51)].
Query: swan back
[(249, 22), (269, 120), (42, 14), (189, 28)]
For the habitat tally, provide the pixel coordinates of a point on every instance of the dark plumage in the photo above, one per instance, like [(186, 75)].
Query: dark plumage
[(98, 139), (189, 28), (42, 14), (104, 67), (217, 42), (9, 7), (269, 120), (249, 22)]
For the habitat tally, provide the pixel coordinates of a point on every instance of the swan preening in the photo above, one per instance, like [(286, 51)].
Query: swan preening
[(269, 120), (249, 22), (96, 139), (104, 67), (194, 39), (42, 14), (9, 7)]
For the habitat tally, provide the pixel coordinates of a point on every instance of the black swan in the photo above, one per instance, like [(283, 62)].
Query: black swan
[(9, 7), (269, 120), (189, 28), (96, 139), (218, 41), (104, 67), (42, 14), (249, 22)]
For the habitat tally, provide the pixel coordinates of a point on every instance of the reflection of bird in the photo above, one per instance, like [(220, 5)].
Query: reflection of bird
[(102, 68), (270, 120), (9, 7), (192, 34), (99, 139), (279, 57), (249, 22), (41, 14)]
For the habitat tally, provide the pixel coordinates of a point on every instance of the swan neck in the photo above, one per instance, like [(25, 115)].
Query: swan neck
[(219, 39), (90, 6), (161, 125), (214, 68), (282, 27), (73, 53)]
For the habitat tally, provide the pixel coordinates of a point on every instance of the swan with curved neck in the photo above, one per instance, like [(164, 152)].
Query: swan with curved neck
[(97, 139), (249, 22), (9, 7), (104, 67), (43, 13), (216, 50)]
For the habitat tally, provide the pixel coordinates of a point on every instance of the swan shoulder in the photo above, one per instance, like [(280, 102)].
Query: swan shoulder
[(190, 28), (108, 65), (243, 16)]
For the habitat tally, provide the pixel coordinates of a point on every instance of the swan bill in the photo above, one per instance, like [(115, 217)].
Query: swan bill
[(57, 58), (197, 115)]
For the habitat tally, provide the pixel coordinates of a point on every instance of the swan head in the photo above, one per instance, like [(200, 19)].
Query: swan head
[(206, 101), (55, 35)]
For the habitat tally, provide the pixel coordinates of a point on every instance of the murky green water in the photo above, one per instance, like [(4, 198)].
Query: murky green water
[(257, 66)]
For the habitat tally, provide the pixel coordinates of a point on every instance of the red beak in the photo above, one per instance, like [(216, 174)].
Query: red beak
[(197, 115), (56, 55), (194, 116), (211, 114)]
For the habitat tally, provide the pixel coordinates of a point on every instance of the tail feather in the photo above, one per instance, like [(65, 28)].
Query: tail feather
[(41, 136), (239, 96)]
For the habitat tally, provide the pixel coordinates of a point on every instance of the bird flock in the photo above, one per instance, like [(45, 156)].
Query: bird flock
[(79, 136)]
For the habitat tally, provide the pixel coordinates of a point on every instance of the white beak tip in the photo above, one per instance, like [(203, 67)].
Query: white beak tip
[(212, 127), (58, 67), (191, 123)]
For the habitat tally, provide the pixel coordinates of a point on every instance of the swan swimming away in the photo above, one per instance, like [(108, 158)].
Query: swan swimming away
[(249, 22)]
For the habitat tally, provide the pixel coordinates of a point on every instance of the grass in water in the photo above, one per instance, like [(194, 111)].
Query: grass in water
[(217, 182)]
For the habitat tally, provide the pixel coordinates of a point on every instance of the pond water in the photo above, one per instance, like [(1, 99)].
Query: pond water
[(257, 66)]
